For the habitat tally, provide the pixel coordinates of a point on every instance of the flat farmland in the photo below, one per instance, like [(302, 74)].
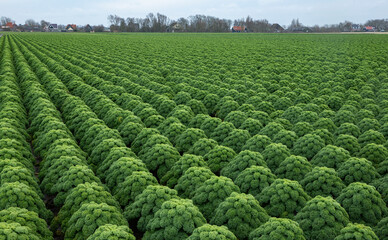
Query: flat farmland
[(193, 136)]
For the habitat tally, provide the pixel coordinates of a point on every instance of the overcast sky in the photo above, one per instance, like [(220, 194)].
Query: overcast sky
[(309, 12)]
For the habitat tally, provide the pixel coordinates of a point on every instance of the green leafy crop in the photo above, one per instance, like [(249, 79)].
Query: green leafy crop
[(212, 232), (71, 178), (160, 158), (132, 186), (176, 219), (82, 193), (278, 228), (191, 180), (219, 157), (179, 168), (147, 203), (122, 168), (322, 218), (283, 198), (374, 153), (294, 168), (241, 213), (322, 181), (186, 140), (254, 179), (286, 138), (356, 231), (330, 156), (222, 131), (236, 139), (90, 216), (16, 231), (357, 170), (308, 145), (241, 161), (16, 194), (28, 219), (212, 192), (274, 154), (363, 203), (257, 143), (110, 231)]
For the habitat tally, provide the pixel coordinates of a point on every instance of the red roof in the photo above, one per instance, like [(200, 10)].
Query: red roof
[(237, 28), (10, 24), (369, 28)]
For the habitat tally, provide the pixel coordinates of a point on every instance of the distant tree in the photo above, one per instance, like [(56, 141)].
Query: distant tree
[(4, 20)]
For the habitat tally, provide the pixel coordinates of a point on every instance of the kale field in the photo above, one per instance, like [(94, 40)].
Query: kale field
[(193, 136)]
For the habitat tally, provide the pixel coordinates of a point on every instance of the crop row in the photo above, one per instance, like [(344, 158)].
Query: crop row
[(261, 153)]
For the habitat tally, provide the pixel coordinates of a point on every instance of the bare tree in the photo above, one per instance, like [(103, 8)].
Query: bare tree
[(5, 20)]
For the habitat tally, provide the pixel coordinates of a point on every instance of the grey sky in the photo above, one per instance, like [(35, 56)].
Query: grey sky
[(309, 12)]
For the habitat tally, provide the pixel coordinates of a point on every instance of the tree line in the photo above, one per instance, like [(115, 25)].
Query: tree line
[(201, 23)]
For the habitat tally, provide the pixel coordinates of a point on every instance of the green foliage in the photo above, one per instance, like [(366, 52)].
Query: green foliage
[(25, 218), (241, 213), (330, 156), (186, 140), (294, 168), (142, 138), (322, 181), (381, 185), (243, 160), (211, 193), (308, 145), (179, 168), (176, 219), (151, 142), (322, 218), (191, 180), (374, 153), (219, 157), (16, 194), (11, 174), (222, 131), (90, 216), (236, 117), (114, 154), (348, 143), (325, 123), (369, 124), (236, 139), (253, 126), (302, 128), (283, 198), (182, 97), (122, 168), (356, 231), (202, 146), (343, 116), (197, 121), (82, 193), (210, 101), (16, 231), (110, 231), (147, 203), (371, 136), (357, 170), (71, 178), (286, 138), (274, 154), (212, 232), (363, 203), (278, 228), (257, 143), (209, 125), (101, 151), (254, 179), (381, 229), (132, 186), (271, 129), (349, 129), (55, 171), (160, 158), (227, 107), (174, 131)]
